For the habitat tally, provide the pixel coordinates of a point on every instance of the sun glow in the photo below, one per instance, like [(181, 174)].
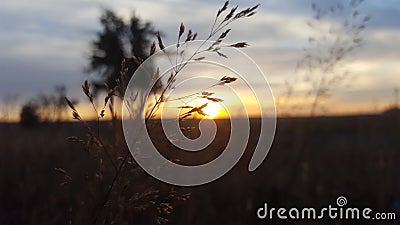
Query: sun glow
[(212, 110)]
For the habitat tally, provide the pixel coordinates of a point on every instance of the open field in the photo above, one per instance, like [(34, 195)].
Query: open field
[(311, 163)]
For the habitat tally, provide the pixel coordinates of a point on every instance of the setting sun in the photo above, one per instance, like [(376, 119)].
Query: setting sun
[(213, 109)]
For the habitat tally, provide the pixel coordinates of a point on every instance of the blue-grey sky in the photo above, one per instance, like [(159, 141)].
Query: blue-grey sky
[(46, 43)]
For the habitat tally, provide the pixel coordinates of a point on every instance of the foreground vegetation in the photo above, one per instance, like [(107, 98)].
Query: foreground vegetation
[(355, 156)]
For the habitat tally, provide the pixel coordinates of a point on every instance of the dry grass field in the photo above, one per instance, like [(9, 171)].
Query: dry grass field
[(311, 163)]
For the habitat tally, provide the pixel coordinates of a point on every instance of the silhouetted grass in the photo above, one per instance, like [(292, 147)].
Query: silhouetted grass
[(355, 156)]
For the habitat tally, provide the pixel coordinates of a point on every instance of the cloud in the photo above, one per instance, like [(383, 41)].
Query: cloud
[(46, 43)]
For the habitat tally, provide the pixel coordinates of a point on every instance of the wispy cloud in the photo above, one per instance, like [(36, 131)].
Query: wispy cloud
[(46, 43)]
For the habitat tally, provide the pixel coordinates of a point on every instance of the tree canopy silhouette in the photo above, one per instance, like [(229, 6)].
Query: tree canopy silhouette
[(29, 116), (117, 41)]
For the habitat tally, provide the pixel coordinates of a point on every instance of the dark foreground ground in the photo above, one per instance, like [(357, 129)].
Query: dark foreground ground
[(312, 163)]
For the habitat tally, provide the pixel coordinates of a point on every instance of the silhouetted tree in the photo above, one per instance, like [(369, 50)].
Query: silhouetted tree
[(118, 41), (29, 116)]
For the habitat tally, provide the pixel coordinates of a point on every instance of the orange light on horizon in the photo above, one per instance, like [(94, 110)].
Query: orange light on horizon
[(213, 110)]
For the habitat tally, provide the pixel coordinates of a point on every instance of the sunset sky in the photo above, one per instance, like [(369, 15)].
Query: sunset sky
[(46, 43)]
